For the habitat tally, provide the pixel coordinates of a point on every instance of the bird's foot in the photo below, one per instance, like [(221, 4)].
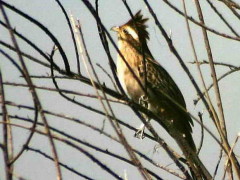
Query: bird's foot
[(143, 100), (140, 132)]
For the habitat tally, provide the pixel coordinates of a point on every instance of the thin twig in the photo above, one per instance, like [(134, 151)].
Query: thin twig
[(199, 23), (216, 63), (222, 18), (109, 76), (64, 91), (231, 3), (72, 34), (5, 146), (199, 71), (229, 155), (202, 134), (218, 163), (33, 45), (220, 78), (61, 164), (214, 75)]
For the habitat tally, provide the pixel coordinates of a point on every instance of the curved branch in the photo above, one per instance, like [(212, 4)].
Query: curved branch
[(35, 112), (37, 23)]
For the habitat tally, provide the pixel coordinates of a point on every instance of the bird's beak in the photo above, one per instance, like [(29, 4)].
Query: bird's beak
[(115, 28)]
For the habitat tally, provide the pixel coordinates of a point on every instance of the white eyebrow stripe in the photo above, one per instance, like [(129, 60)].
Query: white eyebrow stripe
[(132, 32)]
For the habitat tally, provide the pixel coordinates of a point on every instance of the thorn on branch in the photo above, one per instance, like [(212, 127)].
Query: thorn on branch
[(103, 126)]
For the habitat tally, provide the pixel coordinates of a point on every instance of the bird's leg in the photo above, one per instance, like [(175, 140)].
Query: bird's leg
[(143, 100)]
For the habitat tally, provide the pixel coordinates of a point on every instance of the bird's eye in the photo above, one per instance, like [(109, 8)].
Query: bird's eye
[(125, 31)]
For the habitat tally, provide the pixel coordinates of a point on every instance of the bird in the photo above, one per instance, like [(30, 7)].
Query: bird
[(147, 83)]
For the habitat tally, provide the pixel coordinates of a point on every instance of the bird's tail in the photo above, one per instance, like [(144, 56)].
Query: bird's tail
[(197, 168)]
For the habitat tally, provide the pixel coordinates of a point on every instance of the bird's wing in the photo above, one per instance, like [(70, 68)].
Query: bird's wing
[(160, 79), (165, 87)]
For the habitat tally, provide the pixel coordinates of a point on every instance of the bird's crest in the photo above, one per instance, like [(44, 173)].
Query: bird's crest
[(138, 24)]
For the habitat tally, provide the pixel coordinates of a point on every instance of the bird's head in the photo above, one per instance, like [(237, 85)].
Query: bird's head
[(134, 30)]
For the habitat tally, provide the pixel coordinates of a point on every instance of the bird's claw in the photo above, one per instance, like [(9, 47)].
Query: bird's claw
[(143, 100), (140, 132)]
